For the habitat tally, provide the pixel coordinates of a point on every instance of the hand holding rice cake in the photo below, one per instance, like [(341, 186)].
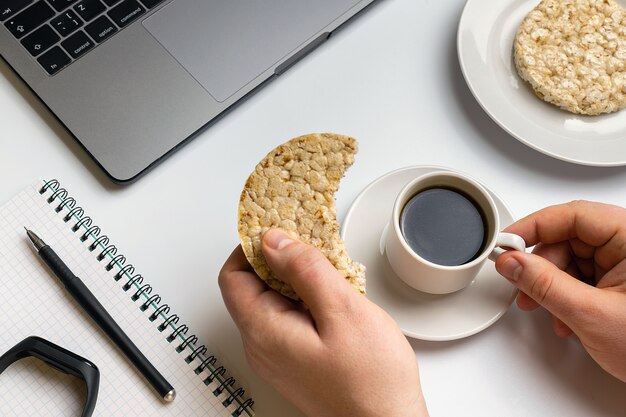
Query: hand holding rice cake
[(293, 188)]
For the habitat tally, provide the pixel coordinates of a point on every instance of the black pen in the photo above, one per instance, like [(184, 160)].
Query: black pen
[(92, 306)]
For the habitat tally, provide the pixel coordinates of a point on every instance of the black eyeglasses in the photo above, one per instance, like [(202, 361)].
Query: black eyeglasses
[(61, 359)]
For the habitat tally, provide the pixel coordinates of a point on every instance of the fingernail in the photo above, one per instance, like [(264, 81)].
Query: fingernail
[(277, 239), (511, 269)]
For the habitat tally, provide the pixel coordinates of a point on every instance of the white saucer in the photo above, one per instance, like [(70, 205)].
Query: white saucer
[(420, 315), (485, 37)]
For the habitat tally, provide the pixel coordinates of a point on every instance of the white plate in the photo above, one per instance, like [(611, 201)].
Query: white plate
[(420, 315), (485, 46)]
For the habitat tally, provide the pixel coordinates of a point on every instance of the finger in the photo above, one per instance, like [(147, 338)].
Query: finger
[(560, 254), (581, 249), (614, 278), (592, 223), (556, 253), (314, 279), (244, 293), (526, 303), (584, 269), (560, 329), (236, 262), (236, 274), (558, 292), (584, 257)]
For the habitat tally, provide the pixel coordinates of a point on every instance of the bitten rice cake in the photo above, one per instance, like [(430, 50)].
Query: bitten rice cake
[(293, 188), (573, 54)]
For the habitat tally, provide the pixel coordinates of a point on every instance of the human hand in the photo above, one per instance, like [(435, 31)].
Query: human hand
[(339, 356), (578, 273)]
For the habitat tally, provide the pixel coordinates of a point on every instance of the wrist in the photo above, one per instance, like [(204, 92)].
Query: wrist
[(412, 408)]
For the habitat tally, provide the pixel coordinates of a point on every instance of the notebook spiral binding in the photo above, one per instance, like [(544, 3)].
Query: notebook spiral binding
[(225, 388)]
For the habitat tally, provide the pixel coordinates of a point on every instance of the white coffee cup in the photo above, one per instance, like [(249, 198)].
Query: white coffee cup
[(430, 277)]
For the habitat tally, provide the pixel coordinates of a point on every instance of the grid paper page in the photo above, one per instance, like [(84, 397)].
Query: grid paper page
[(34, 302)]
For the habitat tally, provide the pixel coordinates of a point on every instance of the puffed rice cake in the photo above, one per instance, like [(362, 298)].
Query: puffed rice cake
[(573, 54), (293, 188)]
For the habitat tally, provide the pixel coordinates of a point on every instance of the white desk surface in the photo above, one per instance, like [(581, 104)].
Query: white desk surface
[(392, 80)]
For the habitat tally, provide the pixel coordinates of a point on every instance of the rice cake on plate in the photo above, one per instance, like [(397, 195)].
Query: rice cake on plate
[(573, 54)]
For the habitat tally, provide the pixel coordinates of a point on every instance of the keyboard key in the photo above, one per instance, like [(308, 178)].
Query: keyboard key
[(60, 5), (53, 60), (29, 19), (40, 40), (111, 2), (77, 44), (10, 7), (66, 23), (100, 29), (125, 12), (88, 9), (151, 3)]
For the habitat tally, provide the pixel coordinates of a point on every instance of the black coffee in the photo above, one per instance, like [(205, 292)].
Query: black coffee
[(444, 226)]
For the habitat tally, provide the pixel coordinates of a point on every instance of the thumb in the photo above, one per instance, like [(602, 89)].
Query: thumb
[(557, 291), (314, 279)]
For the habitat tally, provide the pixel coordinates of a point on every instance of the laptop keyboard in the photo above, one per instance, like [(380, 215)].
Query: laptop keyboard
[(58, 32)]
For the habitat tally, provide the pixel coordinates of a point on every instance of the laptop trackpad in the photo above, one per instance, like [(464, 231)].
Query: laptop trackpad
[(225, 44)]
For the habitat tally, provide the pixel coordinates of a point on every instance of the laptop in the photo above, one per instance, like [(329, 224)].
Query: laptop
[(132, 80)]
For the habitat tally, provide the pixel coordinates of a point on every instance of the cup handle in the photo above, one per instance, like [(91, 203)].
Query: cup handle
[(507, 240)]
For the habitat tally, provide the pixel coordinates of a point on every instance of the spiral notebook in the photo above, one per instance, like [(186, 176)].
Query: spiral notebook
[(33, 302)]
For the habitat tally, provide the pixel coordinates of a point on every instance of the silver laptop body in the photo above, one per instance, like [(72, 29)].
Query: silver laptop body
[(132, 80)]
